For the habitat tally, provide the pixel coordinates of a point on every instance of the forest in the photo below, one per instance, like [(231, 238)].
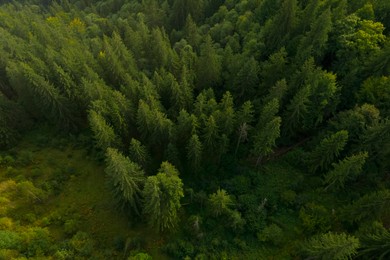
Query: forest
[(195, 129)]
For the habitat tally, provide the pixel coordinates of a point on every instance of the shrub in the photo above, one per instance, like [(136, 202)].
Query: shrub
[(140, 256), (25, 157), (272, 234), (9, 240), (82, 243)]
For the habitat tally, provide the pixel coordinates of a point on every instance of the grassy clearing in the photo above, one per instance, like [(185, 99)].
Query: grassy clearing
[(61, 189)]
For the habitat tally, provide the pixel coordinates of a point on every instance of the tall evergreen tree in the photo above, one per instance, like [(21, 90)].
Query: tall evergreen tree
[(331, 246), (104, 134), (208, 71), (126, 178), (162, 194), (327, 151), (347, 169)]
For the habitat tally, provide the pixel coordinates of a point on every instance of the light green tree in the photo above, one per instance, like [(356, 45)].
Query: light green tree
[(331, 246), (220, 202), (162, 194)]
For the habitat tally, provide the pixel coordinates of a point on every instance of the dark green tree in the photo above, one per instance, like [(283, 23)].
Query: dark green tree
[(345, 170), (126, 178), (194, 152), (208, 68), (327, 151), (265, 139)]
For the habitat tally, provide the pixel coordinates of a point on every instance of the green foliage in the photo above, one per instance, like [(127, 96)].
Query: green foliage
[(375, 243), (369, 206), (347, 169), (315, 218), (103, 133), (327, 151), (272, 233), (82, 243), (220, 202), (265, 139), (27, 190), (210, 86), (331, 246), (126, 178), (194, 152), (139, 153), (140, 256), (162, 194), (9, 240)]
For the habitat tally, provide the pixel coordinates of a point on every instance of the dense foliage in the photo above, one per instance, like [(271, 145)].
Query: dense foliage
[(251, 129)]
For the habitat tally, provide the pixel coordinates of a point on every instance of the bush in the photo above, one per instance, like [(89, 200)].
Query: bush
[(82, 243), (36, 242), (315, 218), (272, 234), (8, 160), (288, 197), (63, 254), (6, 223), (28, 190), (71, 226), (25, 157), (9, 240), (140, 256)]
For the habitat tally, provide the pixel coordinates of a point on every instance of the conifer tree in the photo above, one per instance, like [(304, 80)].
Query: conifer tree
[(210, 134), (327, 151), (331, 246), (347, 169), (368, 207), (139, 153), (265, 139), (126, 178), (208, 71), (162, 194), (375, 245), (104, 134), (220, 202), (314, 42), (194, 152)]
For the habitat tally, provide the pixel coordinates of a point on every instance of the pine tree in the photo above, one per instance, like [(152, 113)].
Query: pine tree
[(314, 42), (375, 245), (220, 202), (38, 94), (274, 69), (210, 134), (208, 71), (331, 246), (280, 27), (104, 134), (139, 153), (347, 169), (369, 207), (265, 139), (194, 152), (126, 178), (162, 194), (327, 151)]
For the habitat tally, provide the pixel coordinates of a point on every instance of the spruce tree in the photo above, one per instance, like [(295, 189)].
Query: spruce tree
[(126, 178)]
